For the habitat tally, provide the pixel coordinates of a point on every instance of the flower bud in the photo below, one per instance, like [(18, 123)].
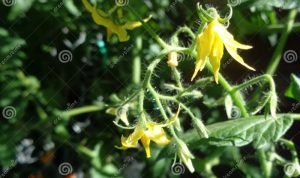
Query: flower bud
[(185, 155), (172, 59)]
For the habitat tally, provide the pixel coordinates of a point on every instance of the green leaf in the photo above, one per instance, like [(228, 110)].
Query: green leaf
[(240, 132), (293, 91), (267, 4), (19, 8), (71, 7)]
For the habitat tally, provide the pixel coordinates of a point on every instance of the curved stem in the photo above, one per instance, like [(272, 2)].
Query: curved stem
[(266, 77), (163, 112)]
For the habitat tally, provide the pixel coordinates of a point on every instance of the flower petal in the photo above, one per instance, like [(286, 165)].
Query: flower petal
[(204, 46), (227, 37), (216, 56), (233, 52), (157, 134), (171, 120), (132, 140), (114, 28), (133, 25), (87, 5), (146, 143)]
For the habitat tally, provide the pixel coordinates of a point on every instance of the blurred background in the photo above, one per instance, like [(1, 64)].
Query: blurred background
[(55, 59)]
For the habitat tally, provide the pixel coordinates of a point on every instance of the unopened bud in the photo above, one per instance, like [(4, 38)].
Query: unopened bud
[(172, 59)]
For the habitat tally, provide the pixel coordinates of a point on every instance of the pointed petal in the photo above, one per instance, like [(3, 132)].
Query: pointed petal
[(146, 143), (204, 46), (157, 134), (227, 38), (133, 25), (87, 5), (113, 28), (98, 19), (233, 52), (216, 56), (109, 34), (111, 111), (132, 140), (171, 120)]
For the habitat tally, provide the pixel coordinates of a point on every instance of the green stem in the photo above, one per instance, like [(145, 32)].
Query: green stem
[(275, 60), (292, 148), (236, 97), (265, 164), (273, 64), (162, 111), (136, 65), (184, 29), (148, 28), (177, 77), (82, 110), (266, 77)]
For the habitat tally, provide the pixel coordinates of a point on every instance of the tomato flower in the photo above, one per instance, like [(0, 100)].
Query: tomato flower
[(103, 19), (150, 131), (210, 44)]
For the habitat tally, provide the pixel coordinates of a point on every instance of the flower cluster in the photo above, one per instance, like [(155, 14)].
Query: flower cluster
[(208, 45)]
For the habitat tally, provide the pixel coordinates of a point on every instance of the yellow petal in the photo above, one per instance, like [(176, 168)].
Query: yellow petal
[(98, 19), (227, 38), (172, 120), (87, 5), (233, 52), (157, 134), (113, 28), (109, 34), (146, 143), (111, 111), (216, 56), (133, 25), (204, 46), (132, 140)]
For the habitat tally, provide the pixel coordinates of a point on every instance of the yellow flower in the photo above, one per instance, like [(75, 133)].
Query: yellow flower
[(150, 132), (210, 45), (103, 19)]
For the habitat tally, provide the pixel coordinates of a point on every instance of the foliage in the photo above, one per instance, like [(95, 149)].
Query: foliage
[(79, 81)]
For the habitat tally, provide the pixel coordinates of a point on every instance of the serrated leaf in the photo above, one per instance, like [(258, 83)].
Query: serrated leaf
[(293, 91), (240, 132)]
